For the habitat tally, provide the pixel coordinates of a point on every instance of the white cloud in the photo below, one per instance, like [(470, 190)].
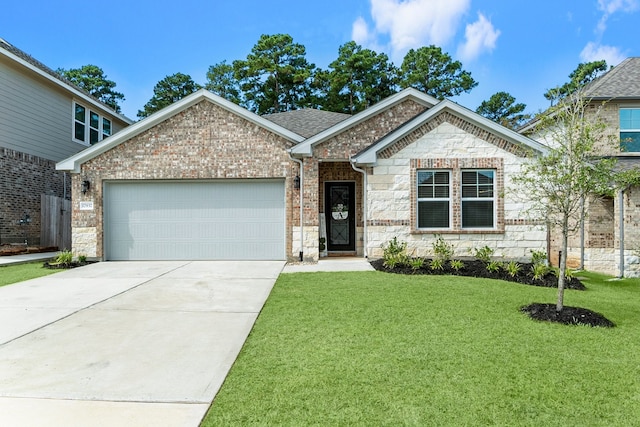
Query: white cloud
[(609, 7), (596, 52), (412, 23), (480, 37)]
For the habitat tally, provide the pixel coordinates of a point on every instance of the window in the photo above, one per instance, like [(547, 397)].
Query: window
[(434, 199), (88, 126), (457, 199), (478, 199), (630, 129)]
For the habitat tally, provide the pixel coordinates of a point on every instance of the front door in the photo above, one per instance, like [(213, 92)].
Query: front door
[(339, 208)]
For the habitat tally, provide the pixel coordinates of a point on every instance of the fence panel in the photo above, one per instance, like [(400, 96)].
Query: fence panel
[(55, 220)]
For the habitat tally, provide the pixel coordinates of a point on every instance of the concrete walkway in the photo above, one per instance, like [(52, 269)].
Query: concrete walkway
[(21, 259), (125, 343)]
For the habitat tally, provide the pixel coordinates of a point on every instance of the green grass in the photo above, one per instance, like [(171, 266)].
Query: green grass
[(387, 350), (20, 272)]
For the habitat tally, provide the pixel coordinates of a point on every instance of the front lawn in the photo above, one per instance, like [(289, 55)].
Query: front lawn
[(375, 348), (20, 272)]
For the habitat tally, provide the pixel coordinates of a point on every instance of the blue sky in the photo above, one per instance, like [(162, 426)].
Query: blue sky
[(521, 47)]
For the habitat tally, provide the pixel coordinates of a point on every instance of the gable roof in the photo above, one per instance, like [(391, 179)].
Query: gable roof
[(9, 51), (621, 82), (305, 148), (369, 155), (73, 163), (307, 122)]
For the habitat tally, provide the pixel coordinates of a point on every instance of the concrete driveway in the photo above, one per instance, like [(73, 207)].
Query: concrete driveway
[(125, 343)]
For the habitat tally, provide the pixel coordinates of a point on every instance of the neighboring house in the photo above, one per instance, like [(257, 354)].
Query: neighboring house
[(43, 119), (207, 179), (615, 96)]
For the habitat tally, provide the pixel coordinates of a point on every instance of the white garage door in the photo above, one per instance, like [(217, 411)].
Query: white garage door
[(195, 220)]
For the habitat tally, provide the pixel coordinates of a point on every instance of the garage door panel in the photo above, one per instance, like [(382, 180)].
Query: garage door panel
[(239, 219)]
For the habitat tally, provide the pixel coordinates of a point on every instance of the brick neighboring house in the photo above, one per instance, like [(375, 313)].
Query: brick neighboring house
[(615, 96), (207, 179), (43, 119)]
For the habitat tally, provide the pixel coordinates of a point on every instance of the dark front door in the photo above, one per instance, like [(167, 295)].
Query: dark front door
[(339, 209)]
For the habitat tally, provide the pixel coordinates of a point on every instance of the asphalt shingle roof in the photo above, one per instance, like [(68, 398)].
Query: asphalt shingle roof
[(622, 81), (307, 122)]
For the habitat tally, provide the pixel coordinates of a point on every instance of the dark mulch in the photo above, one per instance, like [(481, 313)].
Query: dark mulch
[(567, 316), (476, 268), (8, 250), (65, 265)]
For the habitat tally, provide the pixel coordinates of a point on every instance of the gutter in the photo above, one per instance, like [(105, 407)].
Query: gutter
[(298, 161), (364, 205)]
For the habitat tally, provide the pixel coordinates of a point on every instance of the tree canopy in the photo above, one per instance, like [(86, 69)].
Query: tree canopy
[(433, 71), (502, 108), (275, 76), (167, 91), (358, 78), (92, 79), (581, 76)]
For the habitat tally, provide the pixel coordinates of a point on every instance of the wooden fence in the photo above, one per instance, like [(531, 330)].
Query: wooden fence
[(55, 222)]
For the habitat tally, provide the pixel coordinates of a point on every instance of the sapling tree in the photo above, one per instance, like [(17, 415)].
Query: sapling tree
[(571, 171)]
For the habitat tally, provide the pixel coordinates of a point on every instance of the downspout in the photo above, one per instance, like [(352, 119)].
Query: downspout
[(298, 161), (364, 205), (582, 233), (621, 197)]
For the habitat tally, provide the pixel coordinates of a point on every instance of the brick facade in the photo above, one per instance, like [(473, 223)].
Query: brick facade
[(202, 142), (330, 162), (23, 179)]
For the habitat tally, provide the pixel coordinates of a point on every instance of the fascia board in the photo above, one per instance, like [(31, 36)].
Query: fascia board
[(305, 149), (74, 162), (369, 155)]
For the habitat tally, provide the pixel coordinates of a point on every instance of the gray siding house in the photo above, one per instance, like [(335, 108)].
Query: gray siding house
[(43, 119)]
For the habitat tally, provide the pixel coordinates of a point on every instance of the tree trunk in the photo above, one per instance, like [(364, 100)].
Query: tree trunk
[(563, 265)]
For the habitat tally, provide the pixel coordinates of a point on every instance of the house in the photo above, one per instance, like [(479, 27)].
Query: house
[(43, 119), (207, 179), (608, 240)]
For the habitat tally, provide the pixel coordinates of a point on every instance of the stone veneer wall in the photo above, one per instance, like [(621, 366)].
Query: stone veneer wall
[(449, 142), (203, 142), (339, 149), (23, 179)]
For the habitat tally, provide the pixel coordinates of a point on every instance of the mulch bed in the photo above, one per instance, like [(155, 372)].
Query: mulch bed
[(476, 268), (567, 316), (537, 311), (8, 250), (65, 266)]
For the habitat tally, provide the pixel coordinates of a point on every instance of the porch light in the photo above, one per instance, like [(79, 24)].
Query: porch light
[(296, 182), (86, 185)]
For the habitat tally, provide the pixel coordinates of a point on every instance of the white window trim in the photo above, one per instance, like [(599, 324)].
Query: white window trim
[(87, 124), (434, 199), (493, 199)]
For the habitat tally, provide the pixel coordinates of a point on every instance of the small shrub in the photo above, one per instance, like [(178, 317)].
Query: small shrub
[(494, 266), (393, 253), (538, 257), (484, 254), (82, 259), (394, 247), (539, 271), (456, 264), (512, 268), (436, 264), (568, 273), (442, 249), (416, 263), (64, 257)]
